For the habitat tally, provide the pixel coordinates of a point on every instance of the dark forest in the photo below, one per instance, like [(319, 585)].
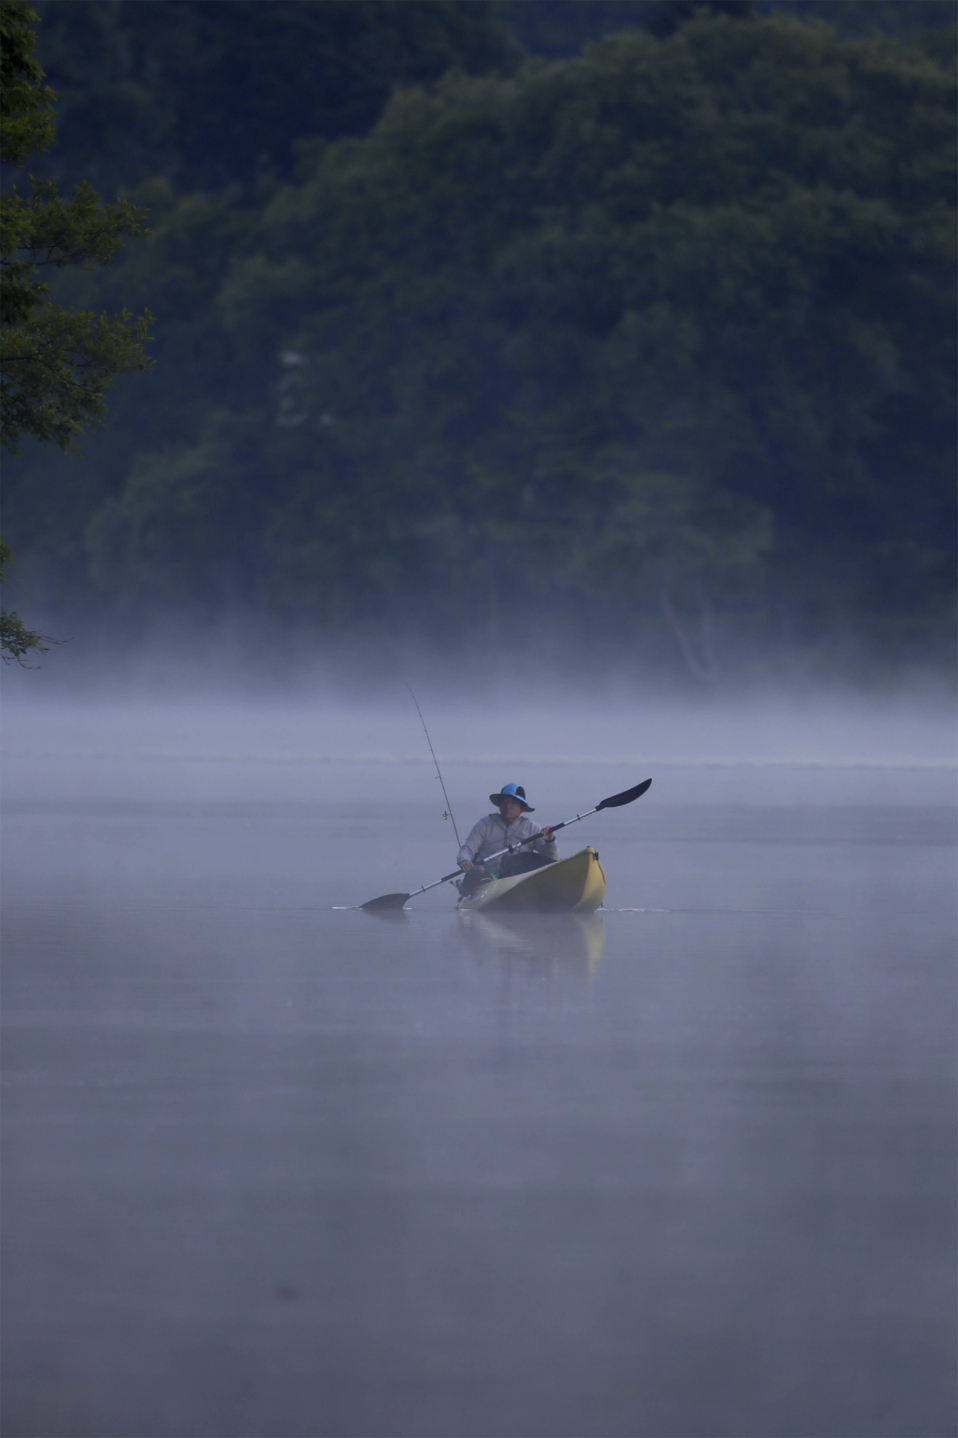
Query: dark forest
[(628, 323)]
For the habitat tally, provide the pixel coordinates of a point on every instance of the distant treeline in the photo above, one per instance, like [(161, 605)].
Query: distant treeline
[(453, 337)]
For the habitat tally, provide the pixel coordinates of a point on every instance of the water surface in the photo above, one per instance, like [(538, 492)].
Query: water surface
[(274, 1168)]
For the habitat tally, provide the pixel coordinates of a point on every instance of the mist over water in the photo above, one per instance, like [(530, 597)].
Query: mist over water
[(274, 1167)]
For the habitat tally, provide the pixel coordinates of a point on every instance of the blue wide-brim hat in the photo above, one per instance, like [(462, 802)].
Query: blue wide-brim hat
[(512, 791)]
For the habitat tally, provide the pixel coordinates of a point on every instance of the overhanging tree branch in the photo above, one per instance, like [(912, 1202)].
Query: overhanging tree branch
[(56, 364)]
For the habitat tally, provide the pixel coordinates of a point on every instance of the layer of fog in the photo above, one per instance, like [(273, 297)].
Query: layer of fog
[(333, 798), (259, 743)]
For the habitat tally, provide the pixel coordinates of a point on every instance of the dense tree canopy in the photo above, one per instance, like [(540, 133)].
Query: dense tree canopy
[(661, 331), (209, 92)]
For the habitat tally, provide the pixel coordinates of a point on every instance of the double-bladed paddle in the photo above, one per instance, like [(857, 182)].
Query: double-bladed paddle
[(615, 801)]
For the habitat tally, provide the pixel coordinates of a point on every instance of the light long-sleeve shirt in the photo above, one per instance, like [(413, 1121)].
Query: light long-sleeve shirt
[(492, 833)]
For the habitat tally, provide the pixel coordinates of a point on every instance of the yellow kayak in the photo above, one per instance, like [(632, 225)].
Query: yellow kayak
[(574, 883)]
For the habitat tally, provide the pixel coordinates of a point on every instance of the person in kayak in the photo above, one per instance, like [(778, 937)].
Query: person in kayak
[(496, 831)]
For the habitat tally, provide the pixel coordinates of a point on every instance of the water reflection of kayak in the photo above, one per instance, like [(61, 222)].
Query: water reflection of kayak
[(579, 937), (576, 883)]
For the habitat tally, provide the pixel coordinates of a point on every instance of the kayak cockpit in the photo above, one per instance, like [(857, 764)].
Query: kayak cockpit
[(576, 883)]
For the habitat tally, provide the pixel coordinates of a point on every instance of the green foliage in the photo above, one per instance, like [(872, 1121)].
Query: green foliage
[(902, 19), (16, 640), (213, 92), (563, 27), (208, 94), (56, 364), (726, 258), (26, 104), (660, 334)]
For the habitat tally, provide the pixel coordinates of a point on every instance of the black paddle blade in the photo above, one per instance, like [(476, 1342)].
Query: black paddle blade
[(617, 800), (385, 901)]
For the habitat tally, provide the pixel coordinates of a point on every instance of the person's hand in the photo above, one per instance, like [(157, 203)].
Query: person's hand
[(549, 836), (465, 865)]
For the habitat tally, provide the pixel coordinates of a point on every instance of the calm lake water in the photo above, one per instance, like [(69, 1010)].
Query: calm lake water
[(274, 1168)]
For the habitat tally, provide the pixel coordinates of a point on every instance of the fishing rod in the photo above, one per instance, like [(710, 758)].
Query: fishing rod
[(448, 814), (615, 801)]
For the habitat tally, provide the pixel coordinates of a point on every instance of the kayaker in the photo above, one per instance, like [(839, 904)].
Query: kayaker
[(496, 831)]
